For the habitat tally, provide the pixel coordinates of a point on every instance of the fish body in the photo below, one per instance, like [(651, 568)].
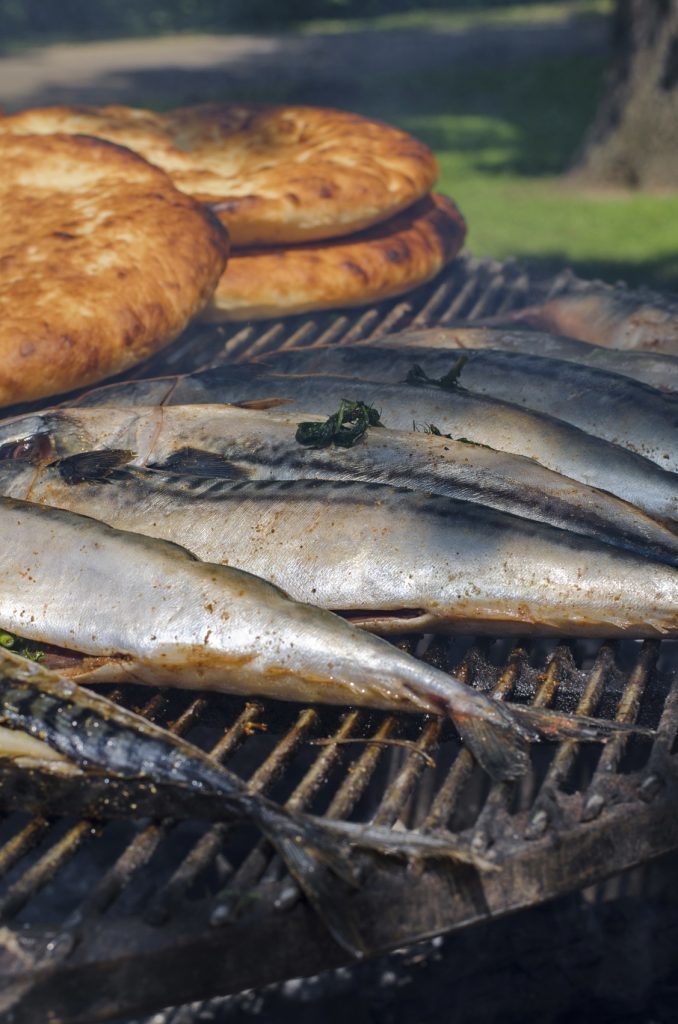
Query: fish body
[(603, 404), (653, 368), (390, 559), (243, 444), (558, 446)]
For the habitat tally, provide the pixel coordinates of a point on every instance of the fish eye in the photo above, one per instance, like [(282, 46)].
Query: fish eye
[(27, 449)]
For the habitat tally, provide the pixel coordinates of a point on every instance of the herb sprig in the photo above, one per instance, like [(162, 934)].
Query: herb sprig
[(343, 428), (18, 645)]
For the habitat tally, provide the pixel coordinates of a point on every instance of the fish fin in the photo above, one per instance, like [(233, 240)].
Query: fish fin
[(410, 844), (557, 725), (500, 746), (88, 467), (318, 861), (197, 462)]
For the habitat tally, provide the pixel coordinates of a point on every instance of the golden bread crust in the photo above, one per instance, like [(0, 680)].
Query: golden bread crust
[(102, 262), (376, 264), (274, 175)]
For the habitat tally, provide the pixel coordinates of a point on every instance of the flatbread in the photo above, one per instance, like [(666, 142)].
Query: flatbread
[(102, 262), (379, 263), (275, 175)]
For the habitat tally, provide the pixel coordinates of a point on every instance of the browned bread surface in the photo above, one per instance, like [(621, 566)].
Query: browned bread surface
[(376, 264), (102, 262), (274, 175)]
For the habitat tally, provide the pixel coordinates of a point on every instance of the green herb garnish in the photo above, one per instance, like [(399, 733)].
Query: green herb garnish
[(448, 382), (18, 645), (343, 428)]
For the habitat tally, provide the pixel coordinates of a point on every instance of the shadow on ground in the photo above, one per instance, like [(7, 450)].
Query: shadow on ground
[(660, 274)]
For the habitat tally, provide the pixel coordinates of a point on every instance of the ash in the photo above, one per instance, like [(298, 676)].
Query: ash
[(604, 956)]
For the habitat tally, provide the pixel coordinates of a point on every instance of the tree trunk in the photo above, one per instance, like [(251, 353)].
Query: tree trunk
[(633, 140)]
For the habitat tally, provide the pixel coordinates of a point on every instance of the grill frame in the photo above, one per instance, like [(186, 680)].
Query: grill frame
[(96, 962)]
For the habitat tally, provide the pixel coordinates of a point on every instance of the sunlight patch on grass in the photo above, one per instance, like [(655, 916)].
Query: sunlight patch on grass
[(627, 236), (455, 20)]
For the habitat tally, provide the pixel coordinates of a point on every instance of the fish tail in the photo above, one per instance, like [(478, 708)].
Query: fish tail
[(318, 861), (500, 736), (557, 725)]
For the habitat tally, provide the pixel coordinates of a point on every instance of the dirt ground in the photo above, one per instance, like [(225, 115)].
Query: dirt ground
[(312, 68)]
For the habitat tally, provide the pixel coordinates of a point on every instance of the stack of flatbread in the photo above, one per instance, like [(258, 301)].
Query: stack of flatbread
[(324, 208)]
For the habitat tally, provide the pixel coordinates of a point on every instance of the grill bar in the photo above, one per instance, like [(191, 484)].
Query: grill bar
[(208, 846), (614, 749), (545, 805)]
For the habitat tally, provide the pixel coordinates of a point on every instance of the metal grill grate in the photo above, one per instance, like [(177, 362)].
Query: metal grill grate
[(100, 920)]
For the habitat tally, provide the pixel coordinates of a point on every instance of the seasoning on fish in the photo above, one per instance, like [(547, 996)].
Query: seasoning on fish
[(143, 610), (603, 404), (229, 443), (501, 425), (653, 368)]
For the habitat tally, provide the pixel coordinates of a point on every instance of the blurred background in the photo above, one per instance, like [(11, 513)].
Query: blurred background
[(555, 123)]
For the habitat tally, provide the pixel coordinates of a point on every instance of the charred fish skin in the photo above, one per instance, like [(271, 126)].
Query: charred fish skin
[(349, 547), (603, 404), (168, 619), (90, 730), (654, 368), (241, 444)]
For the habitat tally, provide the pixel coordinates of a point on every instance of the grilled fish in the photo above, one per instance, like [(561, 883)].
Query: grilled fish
[(390, 559), (39, 455), (478, 418), (604, 404), (607, 316), (653, 368), (143, 610)]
